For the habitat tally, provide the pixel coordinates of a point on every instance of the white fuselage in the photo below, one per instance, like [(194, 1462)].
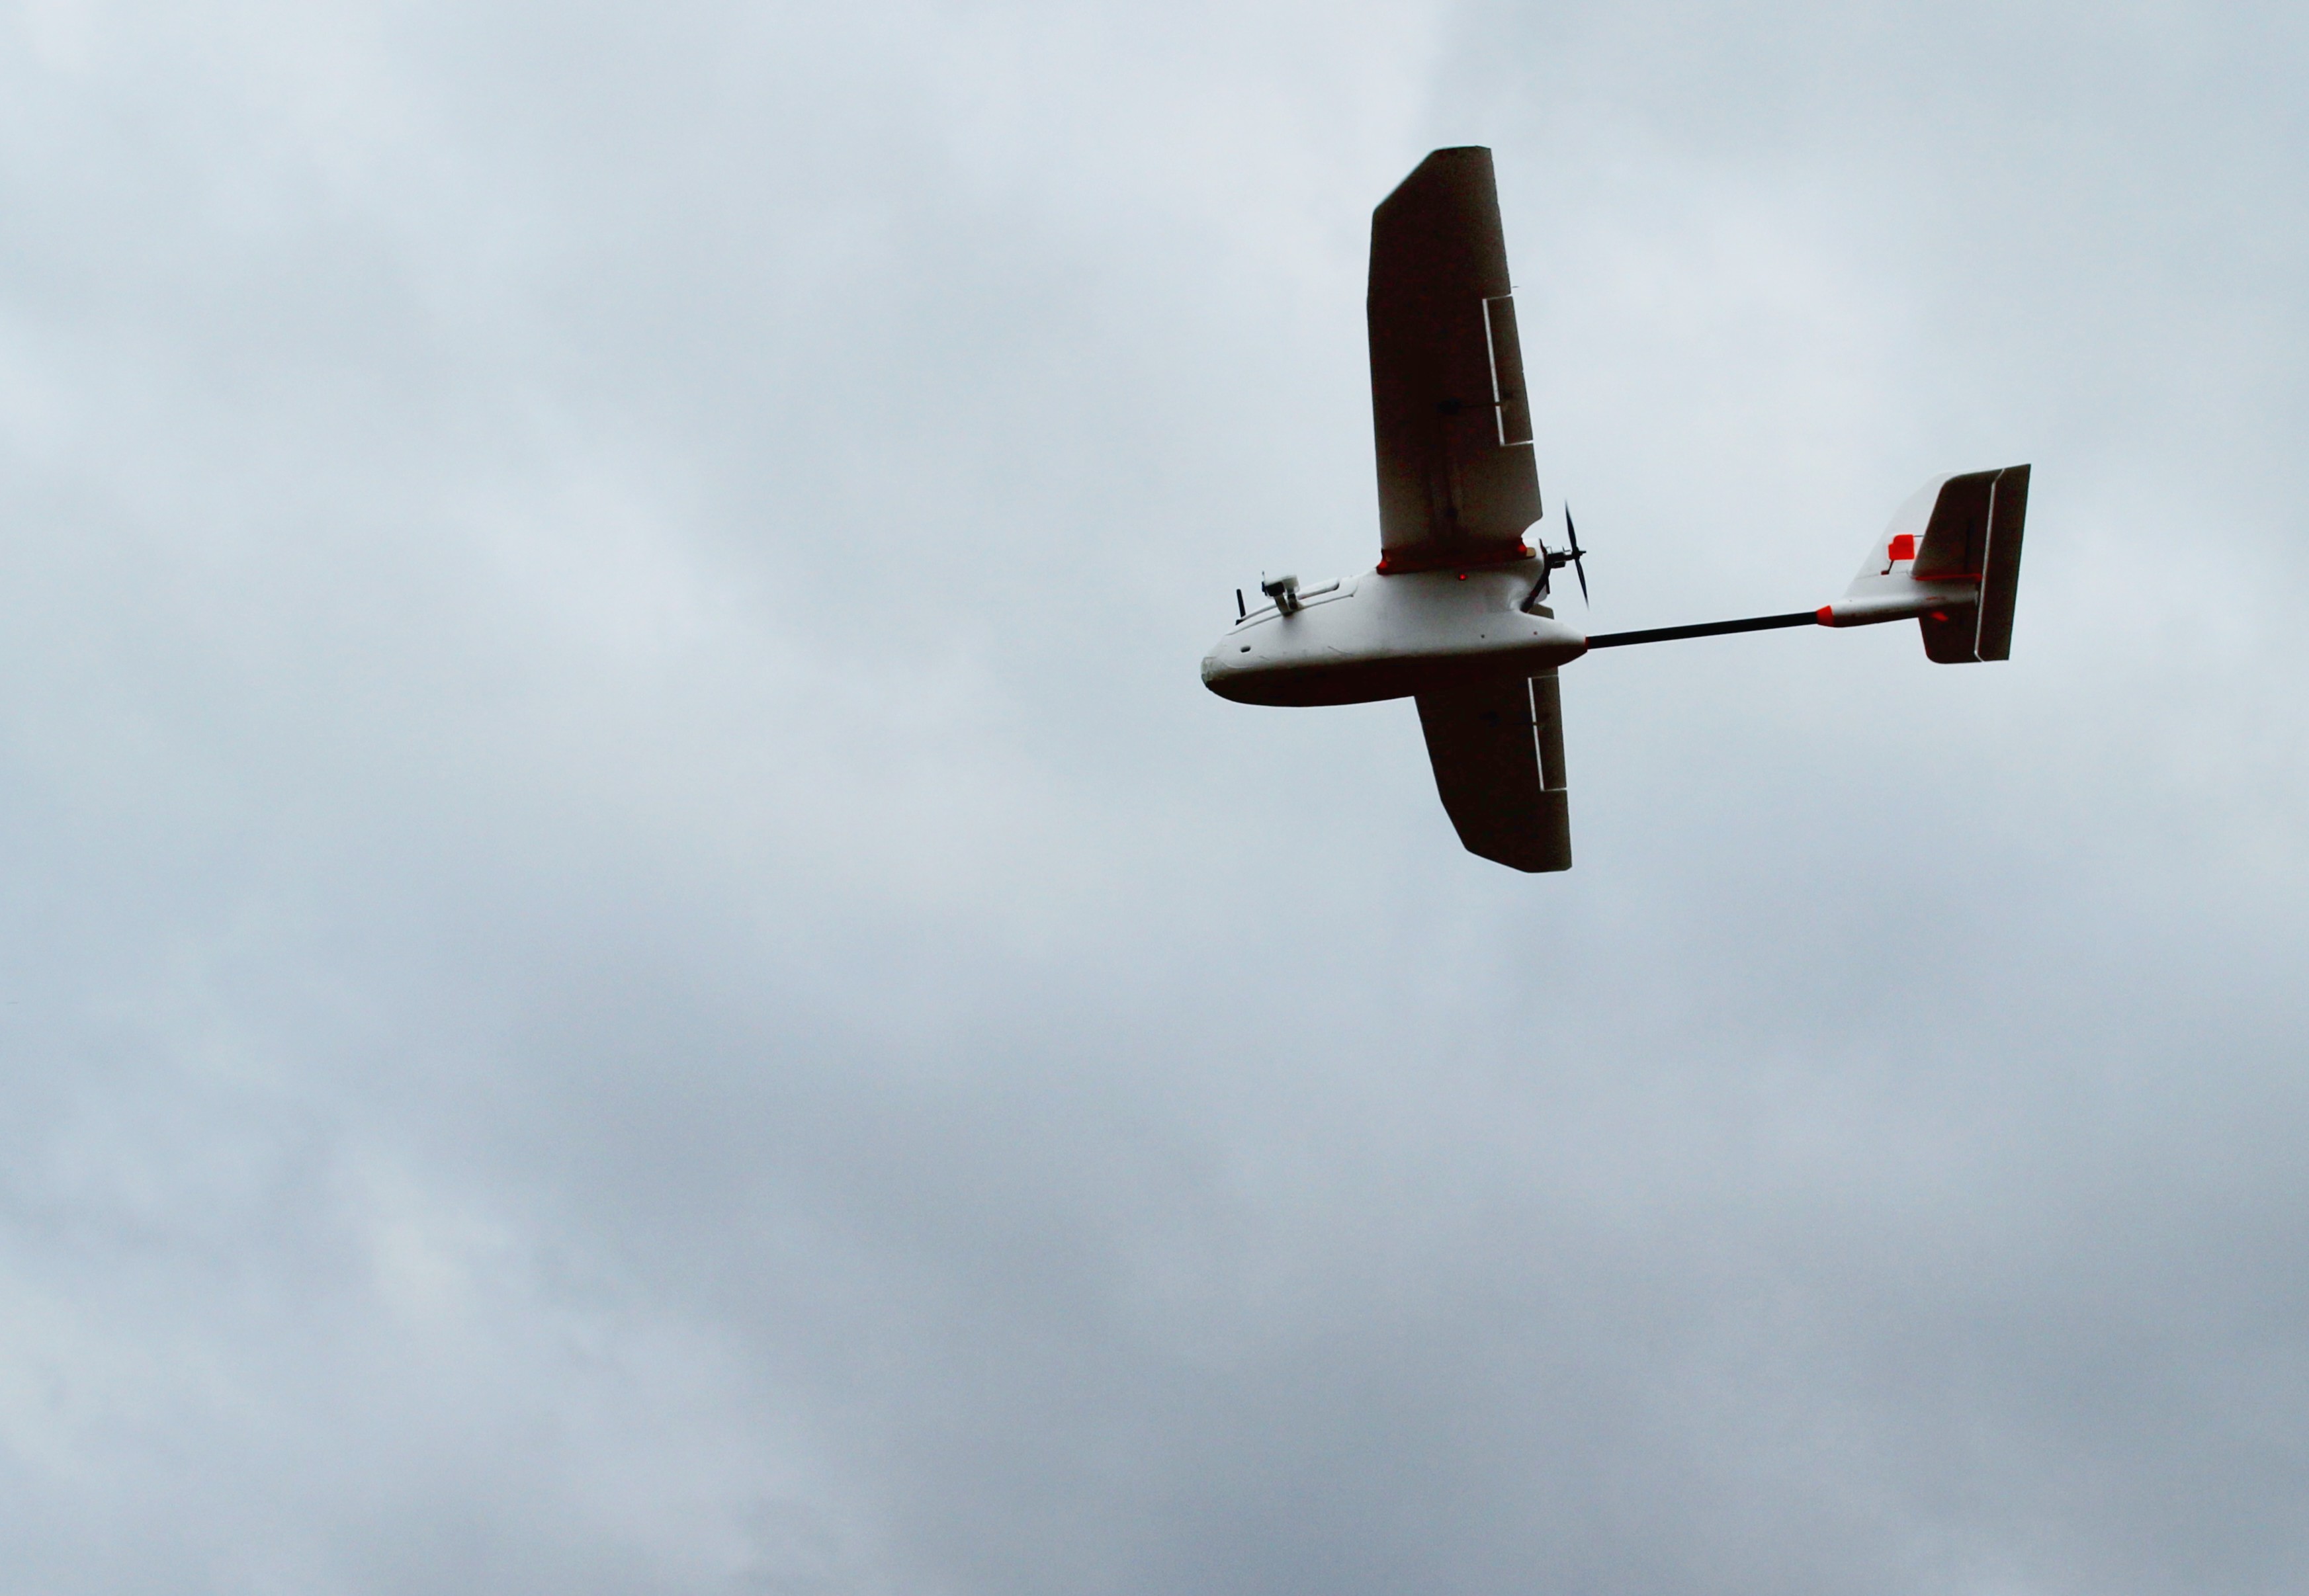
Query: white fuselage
[(1372, 637)]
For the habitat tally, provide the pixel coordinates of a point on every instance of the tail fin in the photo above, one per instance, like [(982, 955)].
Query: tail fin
[(1952, 560)]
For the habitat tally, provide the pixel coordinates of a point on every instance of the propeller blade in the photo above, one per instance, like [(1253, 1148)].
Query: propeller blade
[(1579, 568)]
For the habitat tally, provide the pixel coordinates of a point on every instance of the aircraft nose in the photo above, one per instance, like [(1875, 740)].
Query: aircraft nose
[(1231, 662), (1215, 670)]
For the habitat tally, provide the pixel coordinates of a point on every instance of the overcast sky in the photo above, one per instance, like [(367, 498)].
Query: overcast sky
[(636, 963)]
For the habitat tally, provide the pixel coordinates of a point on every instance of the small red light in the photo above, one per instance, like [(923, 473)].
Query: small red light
[(1463, 576)]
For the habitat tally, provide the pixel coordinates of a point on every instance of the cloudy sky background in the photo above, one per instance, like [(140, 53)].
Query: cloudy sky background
[(635, 963)]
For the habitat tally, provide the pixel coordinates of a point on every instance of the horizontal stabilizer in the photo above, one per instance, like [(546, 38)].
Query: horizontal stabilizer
[(1950, 561)]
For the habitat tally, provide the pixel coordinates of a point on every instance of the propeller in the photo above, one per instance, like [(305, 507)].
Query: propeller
[(1573, 556)]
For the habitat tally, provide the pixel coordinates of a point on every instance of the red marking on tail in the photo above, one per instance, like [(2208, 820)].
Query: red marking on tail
[(1902, 547)]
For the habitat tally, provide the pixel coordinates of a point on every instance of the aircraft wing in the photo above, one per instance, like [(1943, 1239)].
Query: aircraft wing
[(1502, 785), (1456, 484)]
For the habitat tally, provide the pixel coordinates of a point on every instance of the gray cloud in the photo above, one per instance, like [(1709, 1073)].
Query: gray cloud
[(634, 962)]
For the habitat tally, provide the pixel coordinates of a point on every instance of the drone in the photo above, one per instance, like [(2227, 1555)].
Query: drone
[(1457, 613)]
